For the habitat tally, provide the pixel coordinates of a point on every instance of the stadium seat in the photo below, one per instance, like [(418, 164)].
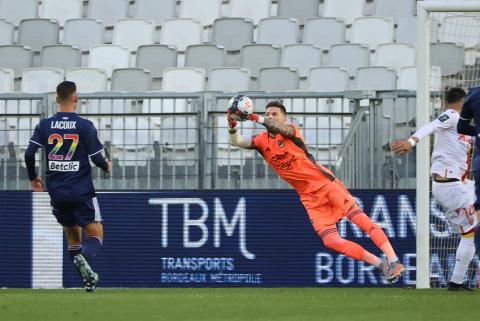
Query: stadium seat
[(396, 55), (16, 10), (376, 78), (60, 56), (6, 80), (61, 10), (327, 79), (406, 30), (229, 80), (83, 33), (108, 57), (460, 29), (232, 33), (205, 11), (277, 31), (17, 58), (254, 57), (41, 80), (252, 9), (88, 80), (36, 33), (448, 56), (108, 11), (301, 57), (174, 79), (131, 79), (181, 33), (349, 56), (407, 78), (6, 32), (156, 10), (345, 9), (372, 31), (324, 32), (395, 9), (205, 56), (277, 79), (132, 33), (130, 138), (299, 9), (179, 140), (156, 58)]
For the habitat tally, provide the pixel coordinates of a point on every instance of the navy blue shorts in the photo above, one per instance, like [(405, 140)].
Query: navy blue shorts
[(476, 171), (80, 213)]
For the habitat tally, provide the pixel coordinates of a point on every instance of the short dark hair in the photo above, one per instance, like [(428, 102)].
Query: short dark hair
[(454, 95), (278, 104), (65, 90)]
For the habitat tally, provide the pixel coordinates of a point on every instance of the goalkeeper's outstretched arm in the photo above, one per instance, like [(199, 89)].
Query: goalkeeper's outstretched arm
[(234, 137)]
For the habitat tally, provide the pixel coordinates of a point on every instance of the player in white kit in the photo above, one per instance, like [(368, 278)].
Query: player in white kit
[(451, 189)]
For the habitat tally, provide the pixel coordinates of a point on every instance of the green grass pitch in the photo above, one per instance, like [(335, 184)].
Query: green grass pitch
[(271, 304)]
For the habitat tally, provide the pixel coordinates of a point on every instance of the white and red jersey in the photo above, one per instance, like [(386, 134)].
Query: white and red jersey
[(450, 154)]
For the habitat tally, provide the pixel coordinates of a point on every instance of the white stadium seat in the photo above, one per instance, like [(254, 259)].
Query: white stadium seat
[(61, 10), (327, 79), (108, 11), (396, 55), (83, 33), (6, 32), (252, 9), (174, 79), (132, 33), (41, 80), (324, 32), (108, 57), (6, 80), (205, 11), (407, 78), (181, 33), (395, 9), (88, 80), (376, 78), (345, 9), (349, 56), (156, 10), (460, 29), (254, 57), (301, 57), (15, 10), (277, 31), (372, 31), (229, 79)]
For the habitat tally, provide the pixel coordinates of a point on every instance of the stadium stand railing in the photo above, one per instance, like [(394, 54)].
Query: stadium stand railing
[(160, 140)]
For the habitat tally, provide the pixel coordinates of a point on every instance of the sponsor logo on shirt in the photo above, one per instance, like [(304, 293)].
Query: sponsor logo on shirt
[(443, 117), (57, 166)]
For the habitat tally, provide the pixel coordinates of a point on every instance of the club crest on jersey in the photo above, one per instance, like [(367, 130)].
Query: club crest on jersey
[(443, 117), (281, 143)]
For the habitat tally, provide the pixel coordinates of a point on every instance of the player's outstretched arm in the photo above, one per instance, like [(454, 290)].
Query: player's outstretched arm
[(274, 126), (234, 137), (402, 147)]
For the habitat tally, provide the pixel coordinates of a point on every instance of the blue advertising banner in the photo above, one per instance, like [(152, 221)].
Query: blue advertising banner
[(238, 238)]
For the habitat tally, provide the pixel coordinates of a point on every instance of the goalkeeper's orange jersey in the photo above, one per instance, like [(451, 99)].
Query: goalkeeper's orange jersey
[(290, 158)]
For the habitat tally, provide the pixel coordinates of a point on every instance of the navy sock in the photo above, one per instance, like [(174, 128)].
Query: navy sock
[(477, 240), (74, 250), (91, 247)]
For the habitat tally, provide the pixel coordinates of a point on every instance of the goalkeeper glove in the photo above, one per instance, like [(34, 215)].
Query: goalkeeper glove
[(232, 124), (256, 118)]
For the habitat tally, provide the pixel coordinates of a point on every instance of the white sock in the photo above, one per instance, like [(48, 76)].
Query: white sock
[(465, 253)]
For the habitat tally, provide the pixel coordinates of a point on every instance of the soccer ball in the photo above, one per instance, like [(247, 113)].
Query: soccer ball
[(240, 107)]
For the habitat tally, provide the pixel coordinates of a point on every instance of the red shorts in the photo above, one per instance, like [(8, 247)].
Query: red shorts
[(329, 204)]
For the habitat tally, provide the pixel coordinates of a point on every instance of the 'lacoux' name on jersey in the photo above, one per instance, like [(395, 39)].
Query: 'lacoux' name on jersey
[(60, 124)]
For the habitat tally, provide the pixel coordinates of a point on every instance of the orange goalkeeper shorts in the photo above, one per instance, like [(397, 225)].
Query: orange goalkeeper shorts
[(329, 204)]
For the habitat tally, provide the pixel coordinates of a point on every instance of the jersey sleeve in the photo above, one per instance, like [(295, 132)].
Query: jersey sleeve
[(257, 142), (93, 143), (471, 100), (445, 120), (37, 137)]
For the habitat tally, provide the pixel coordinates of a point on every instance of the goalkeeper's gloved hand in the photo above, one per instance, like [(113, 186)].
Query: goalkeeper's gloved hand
[(256, 118), (231, 123)]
